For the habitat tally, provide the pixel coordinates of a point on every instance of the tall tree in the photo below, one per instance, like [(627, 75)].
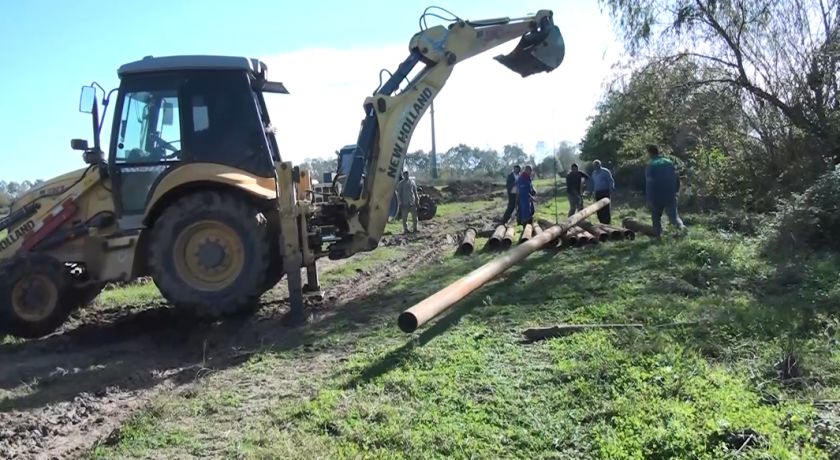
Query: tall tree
[(782, 56)]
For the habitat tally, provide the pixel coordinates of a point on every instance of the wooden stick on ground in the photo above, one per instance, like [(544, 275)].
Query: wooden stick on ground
[(543, 333)]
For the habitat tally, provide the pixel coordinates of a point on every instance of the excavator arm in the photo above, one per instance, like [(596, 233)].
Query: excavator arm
[(390, 118)]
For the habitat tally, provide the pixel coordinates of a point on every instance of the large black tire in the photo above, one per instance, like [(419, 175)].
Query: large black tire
[(179, 254), (35, 296), (426, 208)]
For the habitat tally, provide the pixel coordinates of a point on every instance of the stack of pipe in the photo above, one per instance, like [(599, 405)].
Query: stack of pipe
[(587, 233), (601, 235), (430, 307)]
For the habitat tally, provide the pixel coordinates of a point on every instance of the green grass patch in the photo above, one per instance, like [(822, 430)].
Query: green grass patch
[(137, 294), (465, 387)]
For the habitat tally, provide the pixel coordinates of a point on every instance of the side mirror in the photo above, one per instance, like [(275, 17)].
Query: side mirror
[(78, 144), (168, 115), (87, 99)]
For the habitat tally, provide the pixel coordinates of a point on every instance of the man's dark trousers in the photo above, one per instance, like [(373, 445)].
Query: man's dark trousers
[(603, 213), (510, 207)]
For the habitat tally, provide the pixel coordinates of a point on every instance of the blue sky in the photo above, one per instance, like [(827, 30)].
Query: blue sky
[(328, 53)]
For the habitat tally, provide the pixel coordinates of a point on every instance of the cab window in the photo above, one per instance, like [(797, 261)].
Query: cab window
[(150, 129)]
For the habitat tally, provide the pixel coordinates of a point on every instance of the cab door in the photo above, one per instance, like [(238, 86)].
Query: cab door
[(145, 143)]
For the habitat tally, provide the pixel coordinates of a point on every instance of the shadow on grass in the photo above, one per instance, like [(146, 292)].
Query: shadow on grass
[(450, 318), (142, 348)]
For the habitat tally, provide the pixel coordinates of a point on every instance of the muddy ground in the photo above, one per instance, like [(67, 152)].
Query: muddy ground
[(73, 389), (464, 191)]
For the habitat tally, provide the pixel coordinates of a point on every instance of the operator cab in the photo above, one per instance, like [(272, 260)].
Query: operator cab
[(178, 110)]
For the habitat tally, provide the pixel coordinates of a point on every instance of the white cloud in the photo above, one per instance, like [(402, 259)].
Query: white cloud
[(482, 103)]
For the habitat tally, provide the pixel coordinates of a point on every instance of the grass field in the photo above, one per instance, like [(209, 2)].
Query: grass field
[(738, 380)]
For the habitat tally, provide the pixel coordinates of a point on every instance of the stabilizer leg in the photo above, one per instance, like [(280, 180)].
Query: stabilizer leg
[(295, 283), (313, 283)]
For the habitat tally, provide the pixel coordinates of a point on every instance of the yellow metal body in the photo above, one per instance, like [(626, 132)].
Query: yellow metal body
[(108, 258)]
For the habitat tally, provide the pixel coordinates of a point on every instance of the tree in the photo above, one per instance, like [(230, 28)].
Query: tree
[(782, 58), (513, 154), (566, 155), (13, 189), (419, 163)]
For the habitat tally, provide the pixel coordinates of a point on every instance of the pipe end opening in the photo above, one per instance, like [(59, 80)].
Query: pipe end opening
[(407, 322)]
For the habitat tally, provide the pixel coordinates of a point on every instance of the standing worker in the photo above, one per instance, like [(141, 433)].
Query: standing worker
[(603, 185), (512, 193), (662, 186), (526, 197), (408, 199), (573, 188)]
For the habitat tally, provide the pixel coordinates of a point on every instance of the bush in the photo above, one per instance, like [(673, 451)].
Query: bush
[(811, 218)]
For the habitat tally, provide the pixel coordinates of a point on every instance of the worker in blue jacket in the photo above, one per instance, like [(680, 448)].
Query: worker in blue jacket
[(527, 196), (662, 188)]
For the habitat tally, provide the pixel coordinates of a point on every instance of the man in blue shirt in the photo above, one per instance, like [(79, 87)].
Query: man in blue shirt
[(662, 187), (603, 185)]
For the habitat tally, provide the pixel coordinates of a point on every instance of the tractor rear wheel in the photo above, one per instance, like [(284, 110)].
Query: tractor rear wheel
[(210, 254), (34, 296)]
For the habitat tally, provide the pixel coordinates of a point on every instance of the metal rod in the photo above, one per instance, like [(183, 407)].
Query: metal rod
[(434, 149), (507, 241), (433, 305), (495, 241), (467, 243)]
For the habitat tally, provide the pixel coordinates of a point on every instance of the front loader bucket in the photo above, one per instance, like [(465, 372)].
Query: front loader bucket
[(538, 51)]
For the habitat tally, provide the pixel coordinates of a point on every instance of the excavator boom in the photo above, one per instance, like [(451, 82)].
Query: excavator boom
[(390, 118)]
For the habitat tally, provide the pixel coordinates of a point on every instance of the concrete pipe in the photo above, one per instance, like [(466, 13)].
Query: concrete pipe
[(638, 227), (537, 229), (467, 243), (507, 241), (495, 240), (582, 235), (615, 234), (626, 233), (527, 232), (433, 305), (567, 240), (600, 234)]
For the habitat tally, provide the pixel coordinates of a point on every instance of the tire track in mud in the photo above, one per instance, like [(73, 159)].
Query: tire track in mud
[(70, 390)]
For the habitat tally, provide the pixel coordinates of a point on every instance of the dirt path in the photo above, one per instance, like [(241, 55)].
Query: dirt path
[(76, 387)]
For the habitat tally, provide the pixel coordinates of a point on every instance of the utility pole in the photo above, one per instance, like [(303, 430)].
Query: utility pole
[(434, 151)]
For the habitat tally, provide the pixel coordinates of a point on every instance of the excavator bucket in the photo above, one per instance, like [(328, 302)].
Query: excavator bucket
[(538, 51)]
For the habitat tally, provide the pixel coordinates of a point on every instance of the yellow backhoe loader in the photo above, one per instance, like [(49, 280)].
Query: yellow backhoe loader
[(194, 193)]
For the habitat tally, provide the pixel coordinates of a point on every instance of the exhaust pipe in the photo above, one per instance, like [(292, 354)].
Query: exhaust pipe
[(541, 50)]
